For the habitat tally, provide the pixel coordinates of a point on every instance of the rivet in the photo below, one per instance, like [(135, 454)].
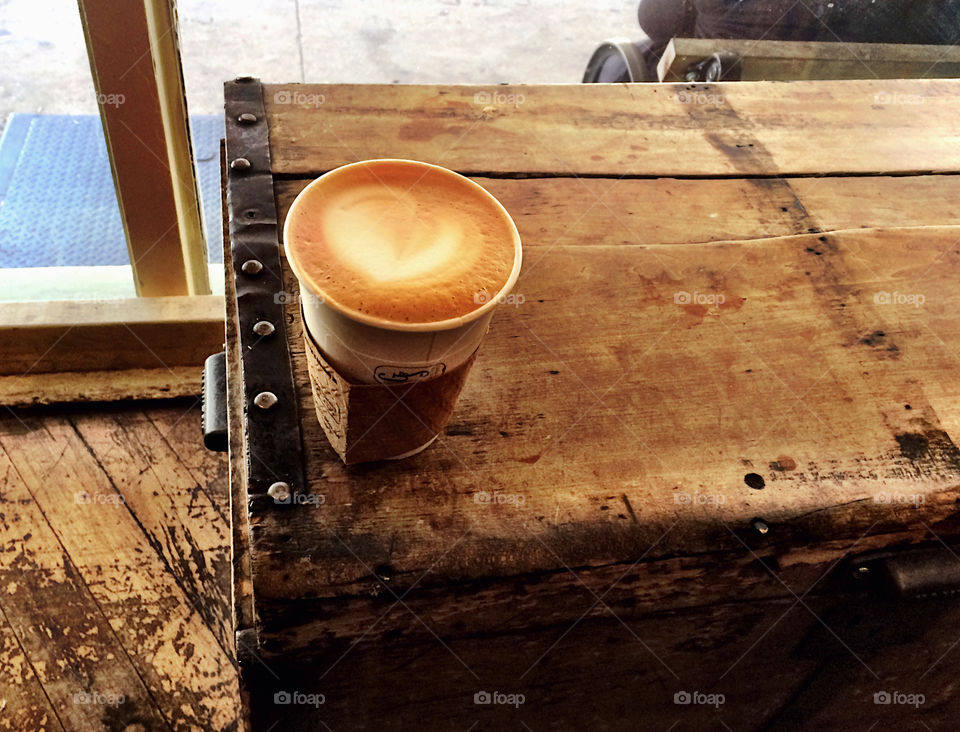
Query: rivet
[(265, 399), (263, 328), (243, 79), (279, 492), (760, 526), (240, 164), (247, 119), (252, 267)]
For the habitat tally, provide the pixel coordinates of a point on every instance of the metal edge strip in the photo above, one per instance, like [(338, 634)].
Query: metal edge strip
[(271, 420)]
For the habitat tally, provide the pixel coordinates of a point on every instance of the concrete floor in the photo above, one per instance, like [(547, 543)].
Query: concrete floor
[(44, 64)]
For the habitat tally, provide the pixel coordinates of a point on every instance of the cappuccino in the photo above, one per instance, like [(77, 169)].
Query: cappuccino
[(400, 244)]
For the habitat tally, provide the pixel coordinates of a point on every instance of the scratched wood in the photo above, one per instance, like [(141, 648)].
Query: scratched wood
[(721, 337), (113, 574), (617, 212), (591, 427), (803, 127)]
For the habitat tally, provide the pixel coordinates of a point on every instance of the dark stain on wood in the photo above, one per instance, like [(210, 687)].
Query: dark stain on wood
[(783, 464)]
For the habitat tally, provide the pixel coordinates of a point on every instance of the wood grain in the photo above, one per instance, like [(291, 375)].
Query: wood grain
[(652, 130), (86, 674), (27, 390), (612, 212), (795, 60), (134, 333), (113, 591)]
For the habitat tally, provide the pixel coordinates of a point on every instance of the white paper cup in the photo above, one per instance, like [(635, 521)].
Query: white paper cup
[(369, 350)]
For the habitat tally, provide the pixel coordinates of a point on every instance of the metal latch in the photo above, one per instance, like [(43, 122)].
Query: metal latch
[(214, 403), (910, 573)]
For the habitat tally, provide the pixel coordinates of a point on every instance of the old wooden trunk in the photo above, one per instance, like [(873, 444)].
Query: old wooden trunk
[(703, 472)]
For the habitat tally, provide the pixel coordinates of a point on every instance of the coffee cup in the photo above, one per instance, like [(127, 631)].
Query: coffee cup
[(400, 266)]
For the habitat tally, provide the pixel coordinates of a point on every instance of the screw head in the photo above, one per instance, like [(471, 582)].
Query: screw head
[(264, 328), (247, 119), (265, 399), (252, 267), (240, 164), (279, 492)]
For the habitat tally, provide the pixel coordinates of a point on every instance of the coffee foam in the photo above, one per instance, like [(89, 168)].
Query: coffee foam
[(400, 242)]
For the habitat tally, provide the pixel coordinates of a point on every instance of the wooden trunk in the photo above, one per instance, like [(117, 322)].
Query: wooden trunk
[(690, 464)]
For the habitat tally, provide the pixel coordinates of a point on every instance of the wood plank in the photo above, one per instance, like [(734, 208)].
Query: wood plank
[(248, 651), (134, 58), (763, 60), (99, 386), (778, 668), (180, 428), (653, 130), (177, 515), (23, 703), (186, 672), (672, 211), (66, 639), (136, 333)]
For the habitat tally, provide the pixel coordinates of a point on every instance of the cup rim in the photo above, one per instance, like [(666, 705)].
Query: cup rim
[(436, 325)]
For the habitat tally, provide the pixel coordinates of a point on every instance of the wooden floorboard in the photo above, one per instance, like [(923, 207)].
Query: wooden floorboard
[(114, 571)]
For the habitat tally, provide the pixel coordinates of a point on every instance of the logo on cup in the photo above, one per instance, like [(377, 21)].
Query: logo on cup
[(391, 375)]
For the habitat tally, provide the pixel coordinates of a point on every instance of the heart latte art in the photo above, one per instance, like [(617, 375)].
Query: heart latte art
[(401, 242)]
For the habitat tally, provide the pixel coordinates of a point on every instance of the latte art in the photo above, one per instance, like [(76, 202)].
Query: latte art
[(400, 242), (378, 232)]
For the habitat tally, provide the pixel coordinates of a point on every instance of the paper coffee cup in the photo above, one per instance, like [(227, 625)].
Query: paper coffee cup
[(370, 350)]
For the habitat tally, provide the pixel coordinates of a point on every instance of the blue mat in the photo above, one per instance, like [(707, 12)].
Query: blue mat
[(57, 202)]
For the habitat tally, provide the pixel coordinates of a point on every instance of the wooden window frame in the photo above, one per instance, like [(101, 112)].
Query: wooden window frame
[(152, 345)]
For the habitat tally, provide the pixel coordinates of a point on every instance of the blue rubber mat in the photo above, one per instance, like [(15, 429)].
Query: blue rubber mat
[(57, 202)]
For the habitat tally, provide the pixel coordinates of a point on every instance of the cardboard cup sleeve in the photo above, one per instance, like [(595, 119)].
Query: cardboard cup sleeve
[(369, 422)]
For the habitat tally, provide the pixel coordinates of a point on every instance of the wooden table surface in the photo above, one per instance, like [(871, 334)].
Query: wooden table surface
[(718, 281), (738, 304)]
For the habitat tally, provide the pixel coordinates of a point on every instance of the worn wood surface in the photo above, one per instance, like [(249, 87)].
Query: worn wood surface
[(99, 386), (802, 365), (795, 60), (653, 130), (114, 610), (707, 334)]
